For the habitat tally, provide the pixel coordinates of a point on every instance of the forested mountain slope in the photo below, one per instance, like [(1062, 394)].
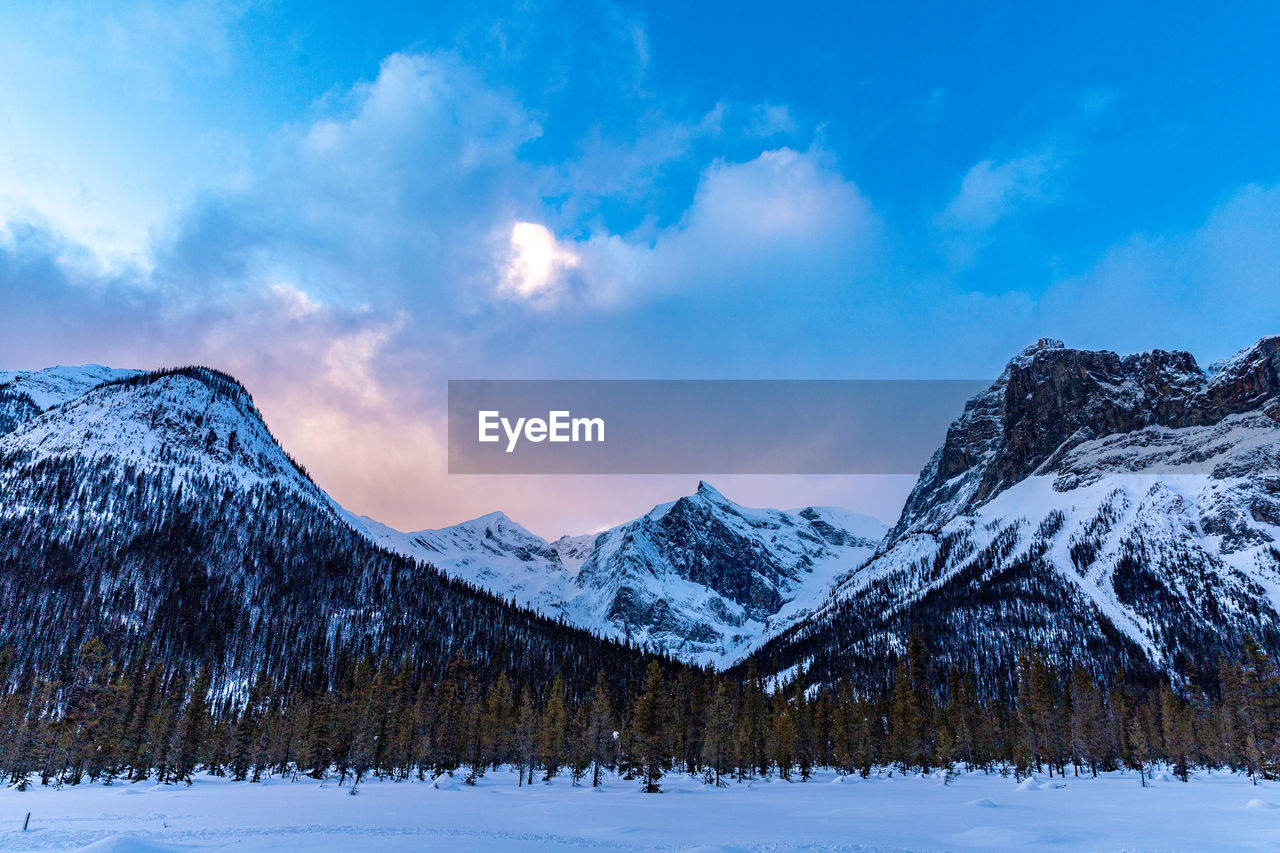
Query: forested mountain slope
[(157, 514)]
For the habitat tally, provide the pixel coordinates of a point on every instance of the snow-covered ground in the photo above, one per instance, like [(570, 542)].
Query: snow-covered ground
[(1214, 811)]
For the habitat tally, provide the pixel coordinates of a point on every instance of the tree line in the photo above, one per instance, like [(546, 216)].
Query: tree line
[(114, 719)]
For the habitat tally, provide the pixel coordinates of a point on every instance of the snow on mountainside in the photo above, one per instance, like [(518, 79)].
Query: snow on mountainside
[(194, 422), (491, 552), (1109, 510), (700, 577), (54, 386), (25, 394), (157, 513)]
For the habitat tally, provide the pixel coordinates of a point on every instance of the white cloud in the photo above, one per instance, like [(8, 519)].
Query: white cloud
[(422, 106), (781, 216), (109, 121), (991, 191), (296, 302), (537, 262)]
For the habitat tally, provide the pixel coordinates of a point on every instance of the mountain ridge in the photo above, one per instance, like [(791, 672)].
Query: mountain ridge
[(1114, 511), (156, 514), (660, 579), (700, 577)]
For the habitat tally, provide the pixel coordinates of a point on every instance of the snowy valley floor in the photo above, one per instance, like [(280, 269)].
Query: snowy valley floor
[(976, 811)]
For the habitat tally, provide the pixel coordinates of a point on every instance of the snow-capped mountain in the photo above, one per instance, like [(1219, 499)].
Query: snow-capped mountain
[(54, 386), (156, 512), (1113, 511), (701, 577), (24, 394), (194, 423)]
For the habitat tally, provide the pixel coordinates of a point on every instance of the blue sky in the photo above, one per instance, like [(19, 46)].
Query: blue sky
[(347, 206)]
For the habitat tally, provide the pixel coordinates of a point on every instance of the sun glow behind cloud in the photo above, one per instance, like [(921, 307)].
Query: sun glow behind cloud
[(537, 262)]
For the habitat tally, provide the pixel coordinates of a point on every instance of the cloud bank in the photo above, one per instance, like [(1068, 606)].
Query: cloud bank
[(432, 223)]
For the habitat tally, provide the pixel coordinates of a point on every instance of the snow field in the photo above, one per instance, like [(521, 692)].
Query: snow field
[(976, 811)]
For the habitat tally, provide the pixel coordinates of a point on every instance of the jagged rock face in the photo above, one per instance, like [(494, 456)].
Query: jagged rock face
[(701, 540), (1050, 399), (701, 577), (1111, 511), (94, 451), (706, 572)]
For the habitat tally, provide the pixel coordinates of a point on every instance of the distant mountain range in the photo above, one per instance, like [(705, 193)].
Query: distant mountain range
[(1113, 511), (702, 577)]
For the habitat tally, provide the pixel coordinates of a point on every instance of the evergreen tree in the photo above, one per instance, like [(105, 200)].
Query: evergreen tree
[(553, 734), (1258, 700), (912, 709), (1085, 724), (782, 737), (751, 728), (717, 738), (598, 732), (650, 718), (499, 723), (319, 749), (526, 738), (193, 729), (1176, 732)]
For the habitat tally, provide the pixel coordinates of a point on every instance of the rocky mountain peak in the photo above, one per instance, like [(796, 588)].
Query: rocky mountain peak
[(1041, 345), (706, 490), (1050, 398)]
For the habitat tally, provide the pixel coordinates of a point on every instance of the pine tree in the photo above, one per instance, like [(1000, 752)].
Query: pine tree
[(1085, 725), (803, 718), (782, 737), (751, 728), (1176, 732), (319, 748), (717, 738), (844, 729), (193, 729), (599, 733), (1116, 718), (499, 723), (579, 757), (526, 738), (553, 734), (958, 720), (1259, 701), (1038, 710), (1141, 743), (912, 709), (247, 732), (649, 724)]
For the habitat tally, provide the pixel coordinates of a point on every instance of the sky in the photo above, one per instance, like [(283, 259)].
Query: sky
[(347, 205)]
